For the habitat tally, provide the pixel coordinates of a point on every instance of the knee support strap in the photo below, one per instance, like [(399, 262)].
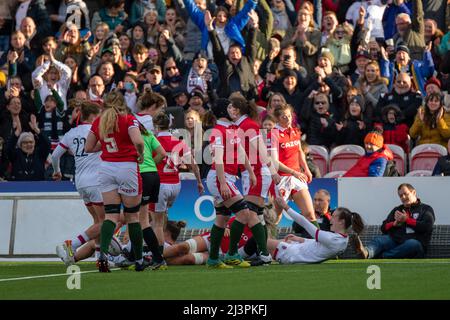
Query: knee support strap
[(132, 209), (112, 208), (192, 245), (255, 208), (238, 206), (199, 259), (223, 211)]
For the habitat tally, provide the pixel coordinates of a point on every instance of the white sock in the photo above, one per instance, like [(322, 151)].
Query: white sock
[(79, 240), (97, 251), (242, 253)]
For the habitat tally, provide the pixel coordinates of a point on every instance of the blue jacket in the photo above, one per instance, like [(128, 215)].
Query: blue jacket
[(233, 27), (420, 70), (389, 15)]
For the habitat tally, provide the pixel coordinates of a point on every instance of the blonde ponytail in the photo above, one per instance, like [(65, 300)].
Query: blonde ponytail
[(114, 104), (108, 122)]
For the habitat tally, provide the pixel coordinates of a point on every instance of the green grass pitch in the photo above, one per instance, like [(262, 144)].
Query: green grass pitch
[(338, 279)]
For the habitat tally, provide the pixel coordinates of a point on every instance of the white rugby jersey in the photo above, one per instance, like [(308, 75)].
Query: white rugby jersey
[(327, 245), (86, 164), (324, 246), (146, 120)]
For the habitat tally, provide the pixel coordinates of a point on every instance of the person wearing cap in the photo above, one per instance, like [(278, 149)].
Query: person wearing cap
[(199, 73), (433, 85), (197, 101), (153, 78), (374, 162), (361, 59), (354, 126), (180, 97), (235, 67), (327, 80), (406, 230), (419, 70)]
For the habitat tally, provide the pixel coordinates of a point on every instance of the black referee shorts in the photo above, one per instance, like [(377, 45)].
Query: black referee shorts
[(150, 187)]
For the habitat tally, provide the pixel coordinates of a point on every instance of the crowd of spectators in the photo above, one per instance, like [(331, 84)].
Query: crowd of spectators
[(346, 67)]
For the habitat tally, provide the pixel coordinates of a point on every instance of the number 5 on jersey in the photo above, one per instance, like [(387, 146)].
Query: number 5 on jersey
[(111, 145)]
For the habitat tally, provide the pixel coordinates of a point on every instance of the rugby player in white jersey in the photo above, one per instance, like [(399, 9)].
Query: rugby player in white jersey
[(324, 246), (86, 166)]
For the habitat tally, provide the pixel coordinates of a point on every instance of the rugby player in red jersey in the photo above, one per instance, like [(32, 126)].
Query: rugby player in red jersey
[(243, 114), (284, 145), (116, 133), (227, 152)]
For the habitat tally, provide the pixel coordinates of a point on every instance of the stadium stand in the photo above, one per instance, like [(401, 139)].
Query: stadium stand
[(400, 158), (424, 156), (320, 157), (334, 174), (419, 173), (344, 157)]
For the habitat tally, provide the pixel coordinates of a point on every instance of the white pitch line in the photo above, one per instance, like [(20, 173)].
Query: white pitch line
[(51, 275)]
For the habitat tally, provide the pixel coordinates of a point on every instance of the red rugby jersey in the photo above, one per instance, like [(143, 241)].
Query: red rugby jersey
[(176, 150), (287, 143), (248, 131), (117, 146), (224, 136)]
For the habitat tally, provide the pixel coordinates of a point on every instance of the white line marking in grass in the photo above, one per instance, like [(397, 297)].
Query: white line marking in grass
[(51, 275)]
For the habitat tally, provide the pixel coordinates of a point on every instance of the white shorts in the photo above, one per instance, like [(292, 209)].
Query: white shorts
[(91, 195), (263, 182), (288, 186), (168, 193), (121, 176), (207, 239), (213, 185), (285, 251)]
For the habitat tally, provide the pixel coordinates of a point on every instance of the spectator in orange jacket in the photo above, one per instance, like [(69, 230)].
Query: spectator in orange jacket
[(374, 162)]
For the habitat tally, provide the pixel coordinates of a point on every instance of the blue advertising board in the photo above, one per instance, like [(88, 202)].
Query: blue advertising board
[(197, 210)]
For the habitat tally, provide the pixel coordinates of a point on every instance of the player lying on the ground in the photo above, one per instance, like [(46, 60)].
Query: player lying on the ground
[(196, 249), (324, 246)]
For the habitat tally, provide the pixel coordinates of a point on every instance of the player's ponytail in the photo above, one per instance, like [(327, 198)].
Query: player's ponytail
[(352, 219), (357, 223), (239, 102), (114, 104), (174, 228)]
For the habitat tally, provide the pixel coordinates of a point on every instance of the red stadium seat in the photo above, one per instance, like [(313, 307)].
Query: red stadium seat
[(320, 158), (344, 157), (334, 174), (399, 157), (424, 156), (419, 173)]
